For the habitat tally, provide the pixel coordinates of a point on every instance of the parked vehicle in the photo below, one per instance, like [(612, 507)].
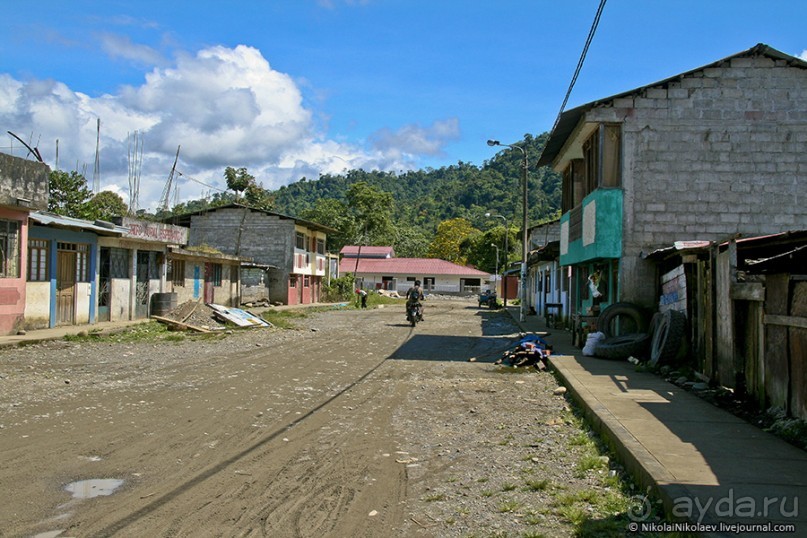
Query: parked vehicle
[(489, 299)]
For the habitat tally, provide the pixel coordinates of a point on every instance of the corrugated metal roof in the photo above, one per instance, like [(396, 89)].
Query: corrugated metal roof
[(353, 250), (52, 219), (569, 119), (408, 266)]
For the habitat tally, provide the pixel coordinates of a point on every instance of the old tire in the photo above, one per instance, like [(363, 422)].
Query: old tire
[(667, 337), (632, 319), (622, 347)]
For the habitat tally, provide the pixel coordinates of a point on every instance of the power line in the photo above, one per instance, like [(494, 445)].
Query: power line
[(200, 182), (590, 37)]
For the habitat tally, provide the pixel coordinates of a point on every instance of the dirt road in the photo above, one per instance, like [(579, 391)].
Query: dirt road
[(354, 425)]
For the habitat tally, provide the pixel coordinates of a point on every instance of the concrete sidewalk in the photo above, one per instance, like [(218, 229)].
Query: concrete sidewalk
[(705, 464)]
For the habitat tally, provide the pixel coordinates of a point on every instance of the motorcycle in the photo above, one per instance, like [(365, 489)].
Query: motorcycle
[(414, 313)]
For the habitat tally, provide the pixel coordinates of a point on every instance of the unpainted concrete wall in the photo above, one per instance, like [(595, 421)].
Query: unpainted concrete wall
[(23, 179), (717, 153)]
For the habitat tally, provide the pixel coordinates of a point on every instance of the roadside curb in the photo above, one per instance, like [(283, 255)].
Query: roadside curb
[(642, 466)]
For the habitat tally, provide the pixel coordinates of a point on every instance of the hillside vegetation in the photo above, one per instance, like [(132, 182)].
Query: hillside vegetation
[(425, 198), (422, 213)]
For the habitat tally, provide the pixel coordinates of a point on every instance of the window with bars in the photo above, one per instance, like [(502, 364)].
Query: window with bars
[(217, 274), (320, 246), (37, 260), (176, 272), (9, 249), (119, 263)]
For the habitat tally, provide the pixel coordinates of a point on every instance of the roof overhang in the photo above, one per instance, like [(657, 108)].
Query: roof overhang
[(59, 221)]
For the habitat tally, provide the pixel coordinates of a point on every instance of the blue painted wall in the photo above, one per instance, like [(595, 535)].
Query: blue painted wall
[(55, 235)]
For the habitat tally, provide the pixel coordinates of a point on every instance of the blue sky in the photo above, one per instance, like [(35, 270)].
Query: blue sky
[(301, 87)]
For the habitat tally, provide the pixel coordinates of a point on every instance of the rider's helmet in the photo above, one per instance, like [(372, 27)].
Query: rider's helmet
[(417, 282)]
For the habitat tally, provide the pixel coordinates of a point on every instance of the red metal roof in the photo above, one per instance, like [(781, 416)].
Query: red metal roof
[(353, 250), (408, 267)]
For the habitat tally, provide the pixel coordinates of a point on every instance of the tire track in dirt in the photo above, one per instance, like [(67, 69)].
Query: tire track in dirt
[(338, 461)]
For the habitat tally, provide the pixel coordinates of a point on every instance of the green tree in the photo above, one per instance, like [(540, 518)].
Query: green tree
[(105, 205), (258, 197), (449, 238), (238, 179), (410, 242), (336, 215), (372, 211), (68, 193)]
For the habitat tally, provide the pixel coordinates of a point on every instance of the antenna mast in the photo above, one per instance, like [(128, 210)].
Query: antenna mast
[(167, 190), (96, 171)]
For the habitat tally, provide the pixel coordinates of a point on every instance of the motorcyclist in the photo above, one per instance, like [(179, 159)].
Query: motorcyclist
[(413, 298)]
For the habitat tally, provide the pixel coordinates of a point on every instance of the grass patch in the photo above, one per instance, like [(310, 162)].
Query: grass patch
[(590, 462), (537, 485), (284, 319), (509, 506), (574, 514), (580, 439), (434, 497), (533, 534), (175, 337), (145, 331), (508, 487)]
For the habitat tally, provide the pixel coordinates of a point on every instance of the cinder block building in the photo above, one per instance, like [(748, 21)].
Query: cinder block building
[(289, 252), (707, 154)]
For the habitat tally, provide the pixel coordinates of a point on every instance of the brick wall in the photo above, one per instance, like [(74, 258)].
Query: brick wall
[(267, 239), (718, 153)]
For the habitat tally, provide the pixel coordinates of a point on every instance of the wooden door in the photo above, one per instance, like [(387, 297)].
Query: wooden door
[(65, 287)]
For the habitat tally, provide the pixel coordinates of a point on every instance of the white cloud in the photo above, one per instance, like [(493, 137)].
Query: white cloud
[(417, 140), (803, 55), (118, 46), (224, 106)]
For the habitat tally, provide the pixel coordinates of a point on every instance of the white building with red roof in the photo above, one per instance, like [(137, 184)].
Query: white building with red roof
[(378, 268)]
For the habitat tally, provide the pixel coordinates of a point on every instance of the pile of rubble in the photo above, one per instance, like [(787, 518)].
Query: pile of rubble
[(203, 317), (193, 315)]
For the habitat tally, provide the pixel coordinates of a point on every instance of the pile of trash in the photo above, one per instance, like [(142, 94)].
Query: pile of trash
[(531, 350)]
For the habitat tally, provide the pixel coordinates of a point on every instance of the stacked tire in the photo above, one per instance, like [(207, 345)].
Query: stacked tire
[(668, 335), (628, 333), (625, 328)]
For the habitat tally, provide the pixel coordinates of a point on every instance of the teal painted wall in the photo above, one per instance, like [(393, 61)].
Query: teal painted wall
[(608, 229)]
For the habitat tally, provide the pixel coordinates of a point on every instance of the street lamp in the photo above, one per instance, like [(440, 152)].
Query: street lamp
[(506, 251), (497, 263), (524, 250)]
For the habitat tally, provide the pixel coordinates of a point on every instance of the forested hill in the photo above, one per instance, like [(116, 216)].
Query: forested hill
[(424, 198)]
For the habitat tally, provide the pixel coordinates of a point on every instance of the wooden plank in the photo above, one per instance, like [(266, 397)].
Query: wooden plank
[(175, 323), (776, 347), (787, 321), (748, 291), (724, 322), (798, 353)]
